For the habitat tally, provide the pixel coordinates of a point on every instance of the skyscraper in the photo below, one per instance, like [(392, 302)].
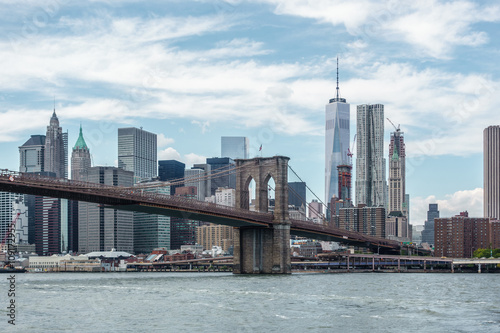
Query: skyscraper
[(491, 172), (56, 149), (171, 170), (80, 159), (80, 165), (371, 184), (100, 228), (234, 147), (32, 154), (428, 232), (297, 194), (397, 173), (137, 152), (337, 134)]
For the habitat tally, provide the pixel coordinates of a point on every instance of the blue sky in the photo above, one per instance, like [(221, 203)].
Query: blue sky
[(193, 71)]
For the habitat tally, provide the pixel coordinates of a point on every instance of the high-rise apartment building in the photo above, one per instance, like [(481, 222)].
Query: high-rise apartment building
[(315, 209), (234, 147), (371, 184), (100, 228), (428, 232), (337, 136), (397, 173), (460, 236), (491, 172), (345, 176), (10, 205), (363, 219), (137, 152)]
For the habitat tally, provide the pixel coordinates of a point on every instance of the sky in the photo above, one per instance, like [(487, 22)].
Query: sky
[(193, 71)]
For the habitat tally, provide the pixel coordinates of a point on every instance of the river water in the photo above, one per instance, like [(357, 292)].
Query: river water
[(222, 302)]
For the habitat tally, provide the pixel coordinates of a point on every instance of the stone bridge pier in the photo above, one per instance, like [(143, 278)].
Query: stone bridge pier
[(263, 250)]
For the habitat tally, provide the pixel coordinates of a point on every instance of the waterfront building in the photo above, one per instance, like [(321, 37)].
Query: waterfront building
[(337, 136), (371, 184), (428, 232), (137, 152), (10, 205), (461, 235), (223, 170), (491, 171), (152, 231), (101, 228), (183, 230), (197, 177), (234, 147)]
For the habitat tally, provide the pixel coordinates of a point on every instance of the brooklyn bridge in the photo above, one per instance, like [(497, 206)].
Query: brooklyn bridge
[(262, 238)]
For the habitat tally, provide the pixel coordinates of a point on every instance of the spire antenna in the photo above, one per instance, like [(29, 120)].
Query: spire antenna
[(337, 78)]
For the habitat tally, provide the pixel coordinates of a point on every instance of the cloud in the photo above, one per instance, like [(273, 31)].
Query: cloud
[(204, 125), (450, 205), (188, 159), (163, 141), (169, 154), (432, 27)]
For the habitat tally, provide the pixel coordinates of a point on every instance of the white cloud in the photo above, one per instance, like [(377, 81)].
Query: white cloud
[(188, 159), (163, 140), (433, 27), (450, 205), (169, 154)]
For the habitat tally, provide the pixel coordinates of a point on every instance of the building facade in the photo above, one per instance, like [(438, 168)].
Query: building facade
[(371, 184), (234, 147), (172, 171), (32, 155), (100, 228), (491, 172), (297, 194), (137, 152)]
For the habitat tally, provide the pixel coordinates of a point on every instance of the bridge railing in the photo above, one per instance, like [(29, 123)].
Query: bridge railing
[(343, 233), (130, 193)]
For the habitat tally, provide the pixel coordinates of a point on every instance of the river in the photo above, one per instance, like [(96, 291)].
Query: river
[(222, 302)]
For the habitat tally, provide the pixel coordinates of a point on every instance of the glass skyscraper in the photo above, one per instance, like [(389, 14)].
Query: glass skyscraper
[(337, 136), (234, 147)]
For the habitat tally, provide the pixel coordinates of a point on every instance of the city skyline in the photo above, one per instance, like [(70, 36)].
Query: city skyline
[(192, 72)]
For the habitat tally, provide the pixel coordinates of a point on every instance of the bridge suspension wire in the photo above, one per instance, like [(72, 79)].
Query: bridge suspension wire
[(321, 201), (291, 190)]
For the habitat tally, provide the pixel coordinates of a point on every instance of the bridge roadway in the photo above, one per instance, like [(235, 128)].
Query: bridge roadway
[(139, 200)]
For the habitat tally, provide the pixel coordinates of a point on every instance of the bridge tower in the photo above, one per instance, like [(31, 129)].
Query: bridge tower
[(263, 250)]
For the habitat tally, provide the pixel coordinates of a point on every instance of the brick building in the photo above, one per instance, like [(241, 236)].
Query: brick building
[(461, 235)]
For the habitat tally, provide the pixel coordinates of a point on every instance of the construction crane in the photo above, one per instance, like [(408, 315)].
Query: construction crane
[(349, 151), (397, 129), (12, 224)]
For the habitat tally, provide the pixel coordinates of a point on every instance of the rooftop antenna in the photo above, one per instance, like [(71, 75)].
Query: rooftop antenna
[(337, 77)]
